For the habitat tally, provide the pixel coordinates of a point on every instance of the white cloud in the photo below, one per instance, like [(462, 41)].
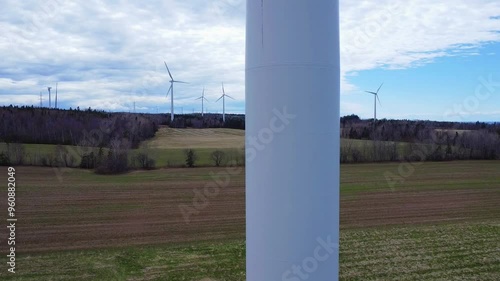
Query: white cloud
[(403, 34), (107, 54)]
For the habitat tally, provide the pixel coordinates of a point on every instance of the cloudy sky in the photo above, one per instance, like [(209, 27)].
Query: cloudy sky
[(437, 61)]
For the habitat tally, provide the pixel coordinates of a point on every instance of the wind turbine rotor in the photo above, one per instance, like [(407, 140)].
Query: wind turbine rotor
[(203, 95), (376, 98)]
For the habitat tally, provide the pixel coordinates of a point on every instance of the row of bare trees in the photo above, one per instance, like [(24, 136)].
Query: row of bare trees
[(74, 127), (118, 158), (410, 131), (441, 146), (209, 120)]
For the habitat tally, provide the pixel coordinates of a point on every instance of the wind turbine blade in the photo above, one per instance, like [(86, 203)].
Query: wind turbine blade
[(224, 92), (168, 71), (205, 98), (198, 98), (219, 98), (373, 93), (379, 87), (169, 89), (175, 81), (378, 100), (229, 97)]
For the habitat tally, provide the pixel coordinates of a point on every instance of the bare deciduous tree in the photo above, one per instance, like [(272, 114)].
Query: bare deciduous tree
[(218, 157)]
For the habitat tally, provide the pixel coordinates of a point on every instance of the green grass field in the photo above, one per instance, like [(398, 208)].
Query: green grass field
[(467, 251), (168, 147), (441, 223)]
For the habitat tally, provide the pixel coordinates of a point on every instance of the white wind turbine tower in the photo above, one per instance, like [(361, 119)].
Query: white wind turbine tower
[(171, 89), (302, 170), (202, 98), (223, 97), (375, 94), (50, 101)]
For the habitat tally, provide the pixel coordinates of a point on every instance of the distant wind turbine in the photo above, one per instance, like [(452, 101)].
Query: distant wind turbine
[(171, 89), (375, 94), (50, 101), (202, 98), (40, 99), (223, 97)]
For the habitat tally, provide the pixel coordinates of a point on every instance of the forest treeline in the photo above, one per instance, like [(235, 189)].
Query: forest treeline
[(103, 141), (90, 139), (209, 120), (395, 140), (74, 126), (96, 128)]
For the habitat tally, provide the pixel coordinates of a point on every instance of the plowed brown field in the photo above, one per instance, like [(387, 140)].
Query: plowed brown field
[(87, 211)]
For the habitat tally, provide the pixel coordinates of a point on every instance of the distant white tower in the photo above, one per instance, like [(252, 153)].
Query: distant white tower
[(171, 90), (50, 101), (292, 140), (202, 98), (223, 97)]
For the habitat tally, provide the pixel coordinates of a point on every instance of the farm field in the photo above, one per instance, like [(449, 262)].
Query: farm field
[(168, 147), (440, 223), (169, 144), (168, 138)]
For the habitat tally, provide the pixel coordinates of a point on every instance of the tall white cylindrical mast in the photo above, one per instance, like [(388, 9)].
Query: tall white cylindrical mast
[(172, 104), (292, 140), (50, 100)]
